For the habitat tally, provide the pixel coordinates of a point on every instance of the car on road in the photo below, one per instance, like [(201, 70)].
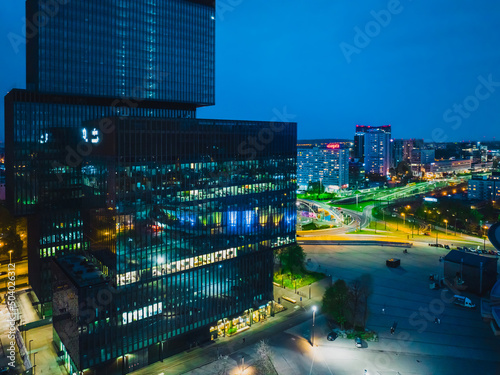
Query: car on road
[(440, 245), (358, 343), (492, 252), (427, 234), (331, 336)]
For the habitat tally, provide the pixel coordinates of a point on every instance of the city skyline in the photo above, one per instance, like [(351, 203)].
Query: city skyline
[(411, 73)]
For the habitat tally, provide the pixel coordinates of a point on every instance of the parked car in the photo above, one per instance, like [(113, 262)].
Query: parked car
[(440, 245), (492, 252), (447, 247), (358, 342), (459, 248), (427, 234), (331, 336)]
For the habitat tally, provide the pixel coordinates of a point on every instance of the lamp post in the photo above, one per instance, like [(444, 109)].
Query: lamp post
[(10, 256), (34, 363), (29, 350), (314, 316), (446, 223), (404, 218), (484, 237)]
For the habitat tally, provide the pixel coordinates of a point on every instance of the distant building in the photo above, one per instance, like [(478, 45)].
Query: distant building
[(406, 150), (476, 273), (427, 156), (357, 179), (484, 188), (322, 143), (441, 167), (328, 165), (359, 138), (377, 151)]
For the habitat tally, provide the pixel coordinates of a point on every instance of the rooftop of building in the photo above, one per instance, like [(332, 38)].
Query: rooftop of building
[(82, 271), (468, 259)]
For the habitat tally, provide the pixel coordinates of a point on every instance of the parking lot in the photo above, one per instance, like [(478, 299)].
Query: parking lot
[(402, 295)]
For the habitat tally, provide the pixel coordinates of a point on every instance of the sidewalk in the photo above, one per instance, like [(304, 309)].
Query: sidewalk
[(191, 362)]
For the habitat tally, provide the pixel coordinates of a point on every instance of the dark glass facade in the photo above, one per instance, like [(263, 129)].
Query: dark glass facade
[(180, 231), (147, 228), (151, 49), (43, 170)]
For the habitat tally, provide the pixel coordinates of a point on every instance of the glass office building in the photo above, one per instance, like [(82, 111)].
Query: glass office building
[(148, 229), (179, 232), (150, 49)]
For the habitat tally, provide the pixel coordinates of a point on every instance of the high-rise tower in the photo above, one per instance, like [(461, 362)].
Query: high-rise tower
[(146, 225)]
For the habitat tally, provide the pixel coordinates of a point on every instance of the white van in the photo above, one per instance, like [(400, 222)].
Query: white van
[(463, 301)]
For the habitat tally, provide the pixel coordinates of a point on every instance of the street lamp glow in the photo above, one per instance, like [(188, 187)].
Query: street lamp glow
[(314, 308)]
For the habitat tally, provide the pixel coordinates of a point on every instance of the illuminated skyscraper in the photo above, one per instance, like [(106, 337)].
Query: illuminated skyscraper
[(157, 221)]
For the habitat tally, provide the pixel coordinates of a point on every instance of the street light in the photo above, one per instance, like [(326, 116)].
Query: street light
[(484, 237), (29, 351), (314, 315), (446, 222), (34, 363), (404, 218), (10, 256)]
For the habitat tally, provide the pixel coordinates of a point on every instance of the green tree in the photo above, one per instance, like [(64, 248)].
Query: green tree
[(366, 289), (336, 302), (292, 259), (315, 187)]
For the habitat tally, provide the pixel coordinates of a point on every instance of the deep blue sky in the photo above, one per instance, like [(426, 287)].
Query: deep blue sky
[(277, 54)]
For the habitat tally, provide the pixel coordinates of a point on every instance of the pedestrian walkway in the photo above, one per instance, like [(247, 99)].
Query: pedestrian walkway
[(192, 361)]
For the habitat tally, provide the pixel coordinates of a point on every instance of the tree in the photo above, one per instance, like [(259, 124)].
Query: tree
[(264, 363), (355, 297), (292, 259), (366, 289), (222, 365), (315, 187), (336, 301)]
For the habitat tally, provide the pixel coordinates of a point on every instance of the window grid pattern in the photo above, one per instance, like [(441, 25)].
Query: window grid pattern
[(157, 50)]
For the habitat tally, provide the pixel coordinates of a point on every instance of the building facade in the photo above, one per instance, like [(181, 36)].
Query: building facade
[(484, 188), (359, 138), (377, 151), (328, 165), (128, 196), (439, 168), (179, 234)]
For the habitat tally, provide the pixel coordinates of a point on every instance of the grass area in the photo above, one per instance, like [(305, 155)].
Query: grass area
[(312, 226), (364, 231), (360, 207), (305, 279), (317, 197)]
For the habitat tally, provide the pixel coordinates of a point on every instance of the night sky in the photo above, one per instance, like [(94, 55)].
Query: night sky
[(432, 70)]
